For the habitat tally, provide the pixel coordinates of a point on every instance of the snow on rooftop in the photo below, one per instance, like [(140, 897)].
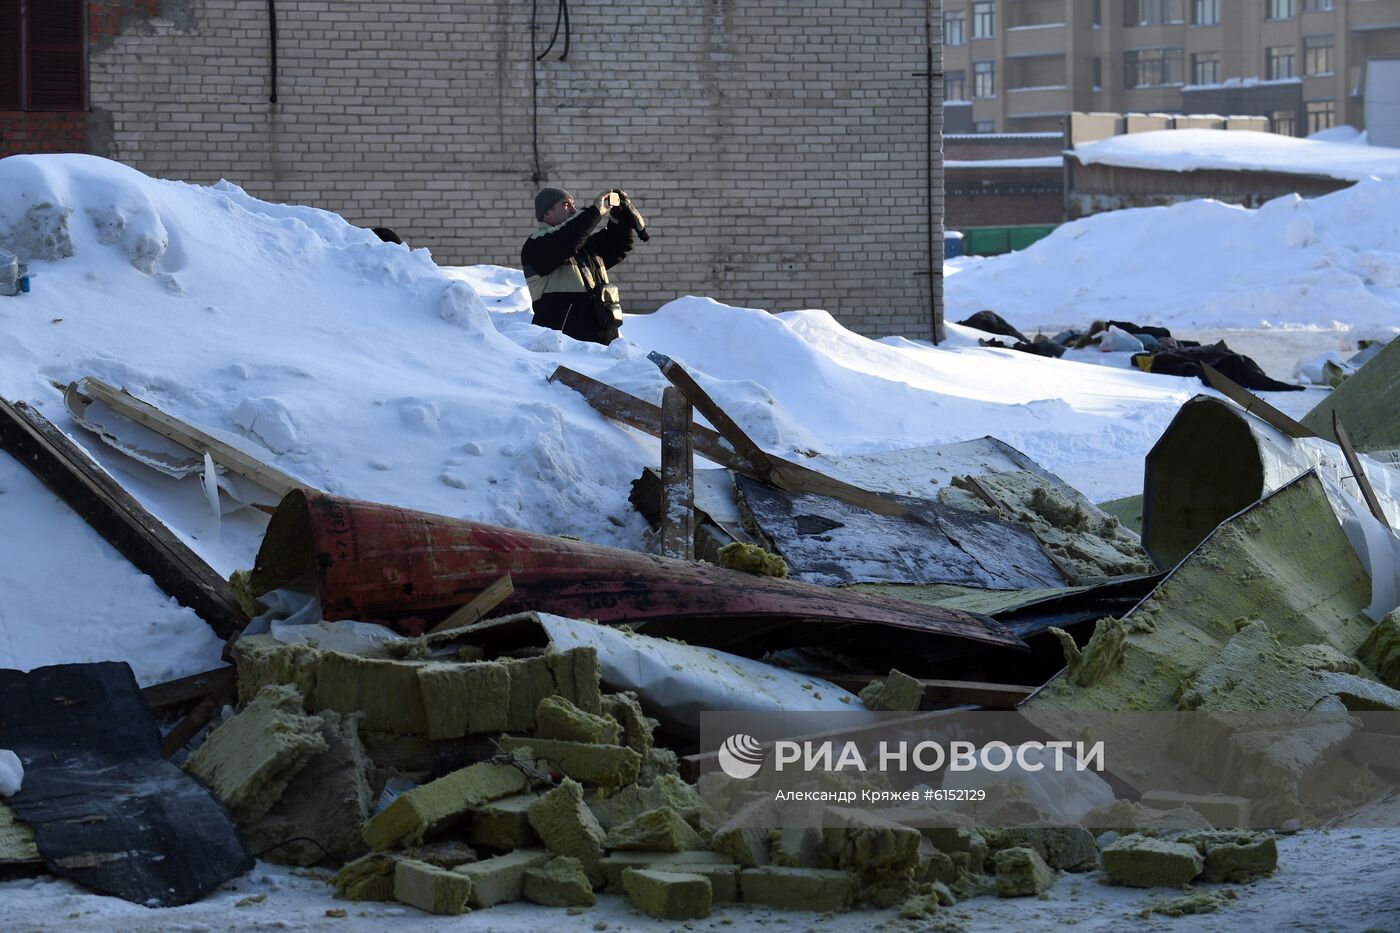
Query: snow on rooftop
[(1237, 150)]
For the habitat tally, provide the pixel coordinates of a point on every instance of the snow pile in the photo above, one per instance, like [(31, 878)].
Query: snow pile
[(369, 372), (1190, 150), (1332, 261), (11, 773)]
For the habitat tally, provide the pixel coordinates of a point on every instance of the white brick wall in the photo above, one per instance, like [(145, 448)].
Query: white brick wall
[(777, 147)]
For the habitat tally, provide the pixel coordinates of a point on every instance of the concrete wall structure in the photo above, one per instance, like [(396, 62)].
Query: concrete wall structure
[(1050, 57), (996, 194), (787, 155), (1096, 188)]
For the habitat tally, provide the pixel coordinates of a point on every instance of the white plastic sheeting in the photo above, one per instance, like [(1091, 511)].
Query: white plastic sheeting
[(678, 682)]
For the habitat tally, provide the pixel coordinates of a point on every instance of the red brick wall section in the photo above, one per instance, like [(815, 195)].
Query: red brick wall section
[(105, 17), (41, 131)]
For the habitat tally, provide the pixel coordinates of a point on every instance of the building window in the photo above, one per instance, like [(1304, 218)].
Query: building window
[(953, 29), (1281, 9), (1205, 68), (1322, 115), (984, 126), (984, 79), (1317, 55), (983, 19), (1205, 12), (1285, 122), (1316, 6), (1098, 74), (1098, 12), (955, 85), (1151, 12), (43, 61), (1279, 62), (1151, 67)]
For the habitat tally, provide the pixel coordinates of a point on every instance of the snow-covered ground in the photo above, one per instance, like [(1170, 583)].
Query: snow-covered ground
[(368, 371)]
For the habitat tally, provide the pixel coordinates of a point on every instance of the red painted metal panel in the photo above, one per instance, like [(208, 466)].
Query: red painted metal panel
[(380, 562)]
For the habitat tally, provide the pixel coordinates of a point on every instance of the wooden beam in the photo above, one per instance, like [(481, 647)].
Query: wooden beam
[(677, 476), (1358, 472), (176, 692), (784, 474), (111, 511), (1253, 404), (474, 611), (187, 435), (644, 416)]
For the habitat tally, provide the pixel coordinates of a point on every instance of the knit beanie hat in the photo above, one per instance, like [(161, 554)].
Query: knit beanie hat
[(547, 198)]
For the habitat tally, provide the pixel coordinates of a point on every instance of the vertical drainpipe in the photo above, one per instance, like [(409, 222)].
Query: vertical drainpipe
[(272, 47), (933, 144)]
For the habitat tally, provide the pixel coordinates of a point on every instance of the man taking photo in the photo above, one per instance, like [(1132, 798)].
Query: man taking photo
[(566, 264)]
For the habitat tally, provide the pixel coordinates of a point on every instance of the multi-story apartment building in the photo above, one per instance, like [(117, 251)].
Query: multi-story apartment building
[(1021, 65)]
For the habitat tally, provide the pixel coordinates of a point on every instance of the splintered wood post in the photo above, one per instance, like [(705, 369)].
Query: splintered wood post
[(1358, 472), (677, 476), (474, 611), (762, 464)]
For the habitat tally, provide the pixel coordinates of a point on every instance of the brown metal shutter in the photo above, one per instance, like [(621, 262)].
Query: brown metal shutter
[(57, 59), (9, 55)]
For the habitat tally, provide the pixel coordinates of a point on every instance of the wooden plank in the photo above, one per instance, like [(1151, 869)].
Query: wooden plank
[(1358, 472), (782, 473), (936, 691), (1253, 404), (111, 511), (677, 476), (986, 496), (474, 611), (644, 416), (175, 692), (187, 435), (188, 727)]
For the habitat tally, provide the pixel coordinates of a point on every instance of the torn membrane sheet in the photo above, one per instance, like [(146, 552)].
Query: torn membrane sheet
[(107, 811), (159, 453)]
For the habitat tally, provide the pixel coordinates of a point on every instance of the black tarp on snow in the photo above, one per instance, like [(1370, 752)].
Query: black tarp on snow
[(107, 811)]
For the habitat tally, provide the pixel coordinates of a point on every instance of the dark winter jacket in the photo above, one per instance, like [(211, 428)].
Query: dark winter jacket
[(566, 268)]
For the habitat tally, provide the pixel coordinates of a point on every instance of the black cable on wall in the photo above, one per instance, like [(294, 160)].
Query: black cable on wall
[(561, 17)]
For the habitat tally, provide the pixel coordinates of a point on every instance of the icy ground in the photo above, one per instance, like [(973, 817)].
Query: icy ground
[(1328, 881)]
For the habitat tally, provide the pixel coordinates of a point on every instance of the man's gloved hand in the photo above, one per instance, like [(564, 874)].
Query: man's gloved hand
[(626, 211), (607, 201)]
